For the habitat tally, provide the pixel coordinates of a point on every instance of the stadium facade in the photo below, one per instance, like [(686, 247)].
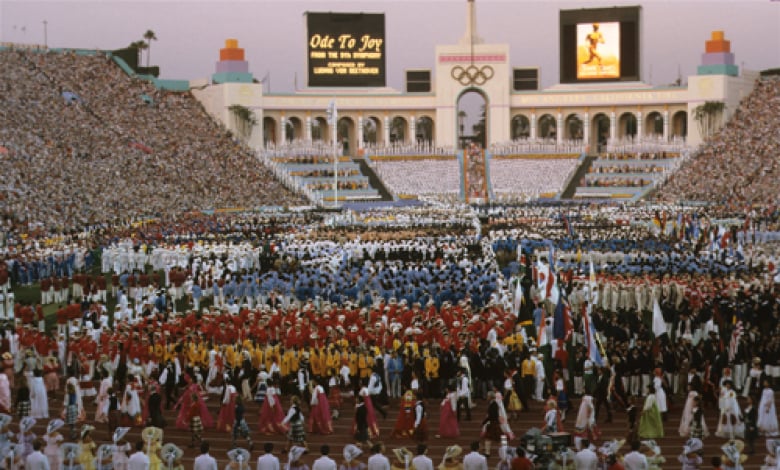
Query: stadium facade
[(606, 111)]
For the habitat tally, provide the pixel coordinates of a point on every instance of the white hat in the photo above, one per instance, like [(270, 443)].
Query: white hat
[(238, 455), (27, 423), (119, 433), (87, 428), (54, 425), (296, 453), (351, 452), (692, 445)]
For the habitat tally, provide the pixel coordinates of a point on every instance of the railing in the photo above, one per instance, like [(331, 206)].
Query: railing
[(647, 144), (537, 146)]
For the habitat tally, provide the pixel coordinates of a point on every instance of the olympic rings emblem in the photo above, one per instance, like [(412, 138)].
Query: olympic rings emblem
[(472, 75)]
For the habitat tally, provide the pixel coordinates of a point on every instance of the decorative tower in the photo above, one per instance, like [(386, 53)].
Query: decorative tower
[(232, 68), (718, 58)]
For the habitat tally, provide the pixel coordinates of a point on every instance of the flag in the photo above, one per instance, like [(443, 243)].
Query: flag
[(518, 300), (590, 337), (541, 337), (593, 289), (562, 325), (543, 279), (659, 325), (736, 334)]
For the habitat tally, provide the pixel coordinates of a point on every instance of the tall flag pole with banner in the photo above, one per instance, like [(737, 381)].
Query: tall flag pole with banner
[(589, 330)]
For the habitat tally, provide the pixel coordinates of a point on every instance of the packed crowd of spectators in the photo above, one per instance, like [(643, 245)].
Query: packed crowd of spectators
[(85, 143), (530, 177), (627, 169), (420, 176), (633, 155), (591, 182), (537, 146), (738, 165)]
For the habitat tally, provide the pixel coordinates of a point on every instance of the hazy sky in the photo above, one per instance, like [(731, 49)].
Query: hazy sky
[(190, 33)]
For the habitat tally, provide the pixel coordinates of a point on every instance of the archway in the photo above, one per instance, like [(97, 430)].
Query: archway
[(627, 125), (269, 130), (471, 111), (573, 128), (294, 129), (319, 129), (371, 131), (680, 125), (424, 130), (654, 125), (547, 127), (345, 132), (398, 130), (599, 132), (521, 127)]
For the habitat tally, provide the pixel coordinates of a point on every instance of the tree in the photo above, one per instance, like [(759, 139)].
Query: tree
[(139, 46), (709, 116), (149, 36), (245, 118), (461, 121)]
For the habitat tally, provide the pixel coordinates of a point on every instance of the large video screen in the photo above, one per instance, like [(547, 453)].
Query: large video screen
[(598, 52), (346, 49), (599, 44)]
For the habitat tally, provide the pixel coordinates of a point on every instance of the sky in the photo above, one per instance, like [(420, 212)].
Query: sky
[(273, 32)]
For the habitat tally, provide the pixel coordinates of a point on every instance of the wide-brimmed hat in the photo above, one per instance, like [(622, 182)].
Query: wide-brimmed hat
[(27, 423), (351, 452), (152, 433), (693, 444), (453, 451), (238, 455), (171, 452), (772, 445), (732, 452), (612, 447), (119, 433), (54, 425), (295, 453), (87, 428), (403, 454)]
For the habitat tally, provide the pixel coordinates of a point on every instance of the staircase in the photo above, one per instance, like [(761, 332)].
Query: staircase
[(671, 445), (582, 170), (373, 179)]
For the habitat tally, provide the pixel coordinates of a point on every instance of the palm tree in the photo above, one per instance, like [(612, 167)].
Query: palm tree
[(139, 46), (149, 36)]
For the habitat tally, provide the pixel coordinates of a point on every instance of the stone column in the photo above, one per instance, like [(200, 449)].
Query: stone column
[(586, 129), (612, 127), (666, 126), (533, 126), (559, 129), (360, 132), (307, 132), (283, 130), (639, 127), (412, 130), (387, 131)]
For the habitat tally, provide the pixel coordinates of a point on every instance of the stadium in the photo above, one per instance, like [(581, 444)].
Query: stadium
[(190, 261)]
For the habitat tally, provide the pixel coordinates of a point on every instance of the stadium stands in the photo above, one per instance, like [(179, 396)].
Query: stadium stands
[(88, 144), (530, 178), (737, 166)]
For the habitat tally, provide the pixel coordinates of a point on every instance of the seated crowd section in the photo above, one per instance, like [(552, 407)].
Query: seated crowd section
[(627, 174), (87, 143), (530, 178), (738, 165), (309, 166)]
